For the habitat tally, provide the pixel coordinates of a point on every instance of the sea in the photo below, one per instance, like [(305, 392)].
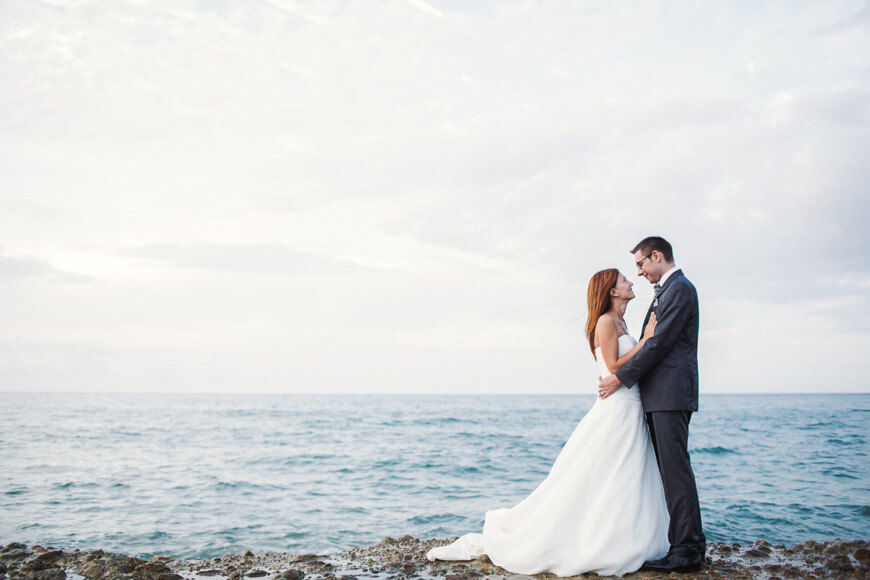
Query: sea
[(197, 476)]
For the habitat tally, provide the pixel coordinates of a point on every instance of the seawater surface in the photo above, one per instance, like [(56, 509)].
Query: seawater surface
[(201, 475)]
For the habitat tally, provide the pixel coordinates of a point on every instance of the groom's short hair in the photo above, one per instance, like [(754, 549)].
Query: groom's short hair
[(655, 244)]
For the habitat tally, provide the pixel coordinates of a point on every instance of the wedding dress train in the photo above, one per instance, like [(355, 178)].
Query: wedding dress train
[(600, 509)]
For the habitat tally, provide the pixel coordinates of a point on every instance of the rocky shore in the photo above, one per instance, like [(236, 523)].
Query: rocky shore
[(404, 558)]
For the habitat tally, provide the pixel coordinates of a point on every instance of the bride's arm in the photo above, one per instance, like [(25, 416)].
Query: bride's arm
[(608, 338)]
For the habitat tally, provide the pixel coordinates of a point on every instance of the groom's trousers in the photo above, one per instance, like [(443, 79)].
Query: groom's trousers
[(669, 431)]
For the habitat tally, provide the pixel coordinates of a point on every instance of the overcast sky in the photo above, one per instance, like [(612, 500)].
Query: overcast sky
[(410, 196)]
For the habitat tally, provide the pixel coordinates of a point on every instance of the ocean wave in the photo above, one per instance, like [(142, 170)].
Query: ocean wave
[(436, 518), (716, 450), (69, 484), (840, 472)]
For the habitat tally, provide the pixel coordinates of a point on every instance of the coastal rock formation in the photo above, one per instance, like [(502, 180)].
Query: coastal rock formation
[(404, 558)]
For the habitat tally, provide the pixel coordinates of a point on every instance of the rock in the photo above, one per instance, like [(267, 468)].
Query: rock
[(93, 571), (209, 572), (14, 546), (256, 573), (840, 564), (304, 558), (863, 556), (388, 541), (43, 561), (47, 574), (155, 571), (15, 554), (128, 564), (249, 554), (291, 574), (754, 553)]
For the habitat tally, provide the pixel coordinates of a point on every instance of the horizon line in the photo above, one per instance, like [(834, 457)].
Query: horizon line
[(383, 393)]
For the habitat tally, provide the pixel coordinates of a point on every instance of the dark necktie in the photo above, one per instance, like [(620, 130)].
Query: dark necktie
[(657, 288)]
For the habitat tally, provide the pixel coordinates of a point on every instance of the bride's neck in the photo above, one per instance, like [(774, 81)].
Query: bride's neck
[(618, 309)]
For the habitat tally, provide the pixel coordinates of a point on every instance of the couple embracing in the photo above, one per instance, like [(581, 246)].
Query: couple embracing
[(621, 495)]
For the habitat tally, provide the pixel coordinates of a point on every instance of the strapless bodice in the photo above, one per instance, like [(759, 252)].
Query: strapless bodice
[(626, 343)]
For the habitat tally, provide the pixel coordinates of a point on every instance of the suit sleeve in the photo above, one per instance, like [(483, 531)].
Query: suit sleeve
[(672, 318)]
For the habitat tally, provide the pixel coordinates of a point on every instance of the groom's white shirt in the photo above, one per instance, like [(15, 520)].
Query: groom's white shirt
[(665, 276)]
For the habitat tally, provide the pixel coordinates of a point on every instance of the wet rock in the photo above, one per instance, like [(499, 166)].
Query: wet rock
[(388, 541), (209, 572), (321, 565), (93, 571), (256, 573), (14, 546), (840, 563), (128, 564), (46, 574), (14, 554), (291, 574), (155, 571), (93, 555), (863, 556), (753, 553), (42, 561)]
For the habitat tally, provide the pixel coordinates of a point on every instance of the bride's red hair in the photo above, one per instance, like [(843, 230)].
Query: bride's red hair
[(598, 301)]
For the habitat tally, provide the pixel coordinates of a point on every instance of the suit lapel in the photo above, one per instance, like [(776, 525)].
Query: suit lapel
[(652, 305), (670, 279)]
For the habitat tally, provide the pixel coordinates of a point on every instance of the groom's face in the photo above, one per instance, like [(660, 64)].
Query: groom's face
[(649, 265)]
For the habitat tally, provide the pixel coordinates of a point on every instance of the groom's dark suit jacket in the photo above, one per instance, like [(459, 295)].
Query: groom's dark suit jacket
[(666, 367)]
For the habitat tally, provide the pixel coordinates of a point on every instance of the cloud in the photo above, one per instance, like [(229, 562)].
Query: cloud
[(251, 258), (462, 167), (16, 268)]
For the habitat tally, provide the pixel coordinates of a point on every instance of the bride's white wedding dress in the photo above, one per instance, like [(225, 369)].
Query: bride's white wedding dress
[(601, 508)]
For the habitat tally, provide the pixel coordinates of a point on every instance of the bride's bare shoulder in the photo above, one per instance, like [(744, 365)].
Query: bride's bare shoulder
[(608, 319), (605, 329)]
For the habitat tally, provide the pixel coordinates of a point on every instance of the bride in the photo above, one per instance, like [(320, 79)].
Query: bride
[(602, 507)]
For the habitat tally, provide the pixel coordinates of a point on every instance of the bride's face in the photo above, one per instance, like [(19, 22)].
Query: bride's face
[(622, 288)]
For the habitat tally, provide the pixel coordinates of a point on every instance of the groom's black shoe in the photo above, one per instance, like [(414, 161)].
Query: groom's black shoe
[(675, 563)]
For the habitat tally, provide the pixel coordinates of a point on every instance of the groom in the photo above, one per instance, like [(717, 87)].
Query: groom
[(666, 370)]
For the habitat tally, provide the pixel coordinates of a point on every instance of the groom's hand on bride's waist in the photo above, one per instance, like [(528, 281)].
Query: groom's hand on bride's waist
[(607, 385)]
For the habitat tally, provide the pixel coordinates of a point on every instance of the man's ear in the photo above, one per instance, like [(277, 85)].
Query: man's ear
[(657, 256)]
